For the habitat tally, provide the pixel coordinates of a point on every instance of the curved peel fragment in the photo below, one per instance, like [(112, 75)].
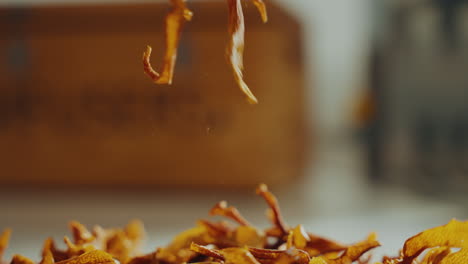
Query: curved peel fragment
[(174, 23)]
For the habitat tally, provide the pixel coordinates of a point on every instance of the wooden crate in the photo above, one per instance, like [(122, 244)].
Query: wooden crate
[(76, 108)]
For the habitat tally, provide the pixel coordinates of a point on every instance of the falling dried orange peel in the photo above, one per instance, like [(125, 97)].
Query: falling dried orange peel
[(174, 24), (238, 242), (235, 49)]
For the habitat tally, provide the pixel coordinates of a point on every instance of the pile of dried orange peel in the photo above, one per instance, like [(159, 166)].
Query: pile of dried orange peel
[(239, 242)]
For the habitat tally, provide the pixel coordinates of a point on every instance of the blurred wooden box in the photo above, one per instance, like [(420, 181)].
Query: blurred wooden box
[(76, 108)]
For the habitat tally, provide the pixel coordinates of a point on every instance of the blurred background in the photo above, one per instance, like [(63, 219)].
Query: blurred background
[(362, 123)]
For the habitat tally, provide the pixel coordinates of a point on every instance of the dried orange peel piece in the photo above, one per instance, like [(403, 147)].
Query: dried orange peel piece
[(318, 260), (354, 252), (92, 257), (240, 255), (436, 255), (291, 255), (206, 251), (249, 236), (135, 230), (453, 234), (235, 48), (4, 240), (299, 237), (261, 9), (271, 200), (455, 258), (49, 246), (222, 209), (80, 233), (174, 23), (18, 259), (47, 257)]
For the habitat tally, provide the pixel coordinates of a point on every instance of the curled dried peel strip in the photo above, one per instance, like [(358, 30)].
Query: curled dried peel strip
[(120, 247), (435, 255), (49, 246), (206, 251), (266, 253), (354, 252), (76, 250), (227, 255), (322, 245), (174, 23), (271, 200), (297, 255), (230, 212), (135, 230), (261, 9), (80, 233), (47, 257), (18, 259), (235, 48), (219, 229)]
